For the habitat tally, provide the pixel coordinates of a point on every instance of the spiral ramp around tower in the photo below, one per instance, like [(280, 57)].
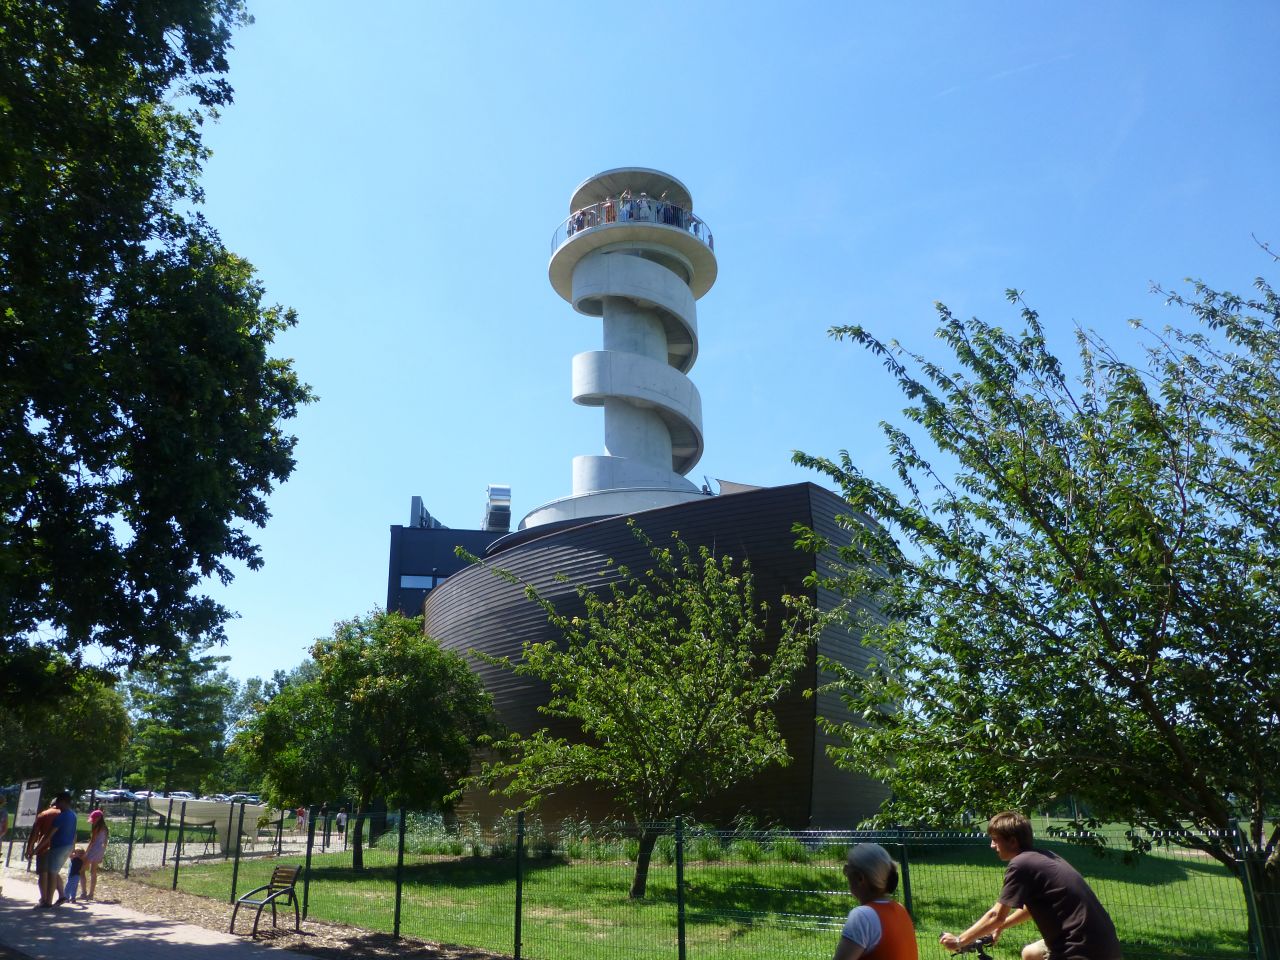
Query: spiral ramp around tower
[(633, 254)]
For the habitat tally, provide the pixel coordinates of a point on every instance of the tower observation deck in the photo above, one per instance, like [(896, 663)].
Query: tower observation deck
[(632, 253)]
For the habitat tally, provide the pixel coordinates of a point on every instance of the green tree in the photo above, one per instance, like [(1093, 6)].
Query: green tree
[(182, 709), (238, 772), (76, 741), (142, 415), (671, 679), (1084, 602), (384, 713)]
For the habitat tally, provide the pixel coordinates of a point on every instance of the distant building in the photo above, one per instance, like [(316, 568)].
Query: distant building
[(424, 552), (632, 253)]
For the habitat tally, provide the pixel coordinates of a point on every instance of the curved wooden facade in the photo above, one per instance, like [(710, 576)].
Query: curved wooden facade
[(476, 610)]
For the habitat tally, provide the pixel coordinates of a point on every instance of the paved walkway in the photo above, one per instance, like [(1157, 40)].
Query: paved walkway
[(104, 931)]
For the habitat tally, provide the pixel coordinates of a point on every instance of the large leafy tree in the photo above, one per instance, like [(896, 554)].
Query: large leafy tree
[(384, 712), (182, 708), (1081, 582), (141, 416), (76, 741), (671, 679), (238, 773)]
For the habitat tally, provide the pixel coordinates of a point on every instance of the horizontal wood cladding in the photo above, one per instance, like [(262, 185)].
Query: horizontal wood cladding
[(840, 797), (477, 610)]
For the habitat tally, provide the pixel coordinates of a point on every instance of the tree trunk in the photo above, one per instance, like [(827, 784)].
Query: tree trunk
[(357, 842), (1264, 911), (375, 810), (648, 838)]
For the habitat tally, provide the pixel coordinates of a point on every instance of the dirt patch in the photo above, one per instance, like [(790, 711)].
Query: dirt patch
[(328, 941)]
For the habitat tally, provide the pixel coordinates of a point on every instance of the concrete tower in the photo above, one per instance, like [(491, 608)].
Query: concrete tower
[(632, 253)]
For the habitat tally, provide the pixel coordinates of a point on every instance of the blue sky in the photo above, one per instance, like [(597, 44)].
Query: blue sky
[(395, 171)]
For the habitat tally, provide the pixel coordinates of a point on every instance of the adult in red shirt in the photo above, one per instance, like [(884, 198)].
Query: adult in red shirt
[(40, 845), (879, 928), (1041, 886)]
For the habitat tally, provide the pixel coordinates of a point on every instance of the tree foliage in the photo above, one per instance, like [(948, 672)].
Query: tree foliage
[(671, 679), (1083, 601), (384, 713), (182, 710), (76, 741), (142, 415)]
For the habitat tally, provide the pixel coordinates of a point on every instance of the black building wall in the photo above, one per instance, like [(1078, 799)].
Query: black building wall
[(477, 610), (422, 557)]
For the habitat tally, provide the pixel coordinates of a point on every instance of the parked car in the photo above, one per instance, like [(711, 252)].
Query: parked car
[(117, 795), (181, 795)]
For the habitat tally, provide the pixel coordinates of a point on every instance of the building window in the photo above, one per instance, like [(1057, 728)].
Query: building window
[(418, 583)]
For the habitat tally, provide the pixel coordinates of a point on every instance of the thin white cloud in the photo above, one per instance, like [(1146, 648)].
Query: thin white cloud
[(1002, 74)]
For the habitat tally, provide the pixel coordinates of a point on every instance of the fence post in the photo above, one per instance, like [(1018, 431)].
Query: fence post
[(906, 873), (177, 847), (280, 835), (680, 887), (235, 864), (168, 819), (519, 878), (1256, 944), (306, 882), (231, 810), (399, 875), (133, 824)]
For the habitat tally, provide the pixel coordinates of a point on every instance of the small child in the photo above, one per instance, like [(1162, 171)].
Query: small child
[(74, 867)]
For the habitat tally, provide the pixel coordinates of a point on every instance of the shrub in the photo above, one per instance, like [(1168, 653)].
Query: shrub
[(836, 850), (426, 833), (790, 850), (706, 847), (665, 848), (748, 851)]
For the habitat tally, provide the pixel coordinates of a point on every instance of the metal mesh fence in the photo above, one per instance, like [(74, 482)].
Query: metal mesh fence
[(785, 893), (577, 901), (460, 883), (562, 892)]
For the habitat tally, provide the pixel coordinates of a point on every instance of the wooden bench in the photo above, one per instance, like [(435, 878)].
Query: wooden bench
[(281, 890)]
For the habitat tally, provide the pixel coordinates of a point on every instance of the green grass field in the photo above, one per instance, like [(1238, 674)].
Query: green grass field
[(1168, 904)]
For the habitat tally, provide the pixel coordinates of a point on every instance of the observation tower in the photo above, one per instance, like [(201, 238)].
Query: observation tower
[(632, 253)]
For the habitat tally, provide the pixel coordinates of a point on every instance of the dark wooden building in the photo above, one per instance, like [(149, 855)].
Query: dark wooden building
[(475, 609)]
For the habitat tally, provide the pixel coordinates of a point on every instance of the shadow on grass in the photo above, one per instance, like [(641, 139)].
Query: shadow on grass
[(1109, 863), (468, 872)]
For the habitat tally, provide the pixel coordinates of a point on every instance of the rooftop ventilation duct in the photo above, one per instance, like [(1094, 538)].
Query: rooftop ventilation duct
[(497, 508)]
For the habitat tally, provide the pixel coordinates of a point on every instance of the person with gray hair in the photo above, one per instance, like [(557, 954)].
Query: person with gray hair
[(879, 928)]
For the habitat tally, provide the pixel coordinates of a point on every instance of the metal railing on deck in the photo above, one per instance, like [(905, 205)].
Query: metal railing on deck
[(624, 209)]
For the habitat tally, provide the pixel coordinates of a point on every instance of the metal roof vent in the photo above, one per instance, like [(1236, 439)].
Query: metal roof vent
[(497, 508)]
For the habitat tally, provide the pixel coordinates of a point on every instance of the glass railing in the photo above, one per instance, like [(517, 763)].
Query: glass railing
[(631, 210)]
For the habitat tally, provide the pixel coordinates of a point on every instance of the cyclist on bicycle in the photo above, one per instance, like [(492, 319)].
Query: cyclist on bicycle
[(1041, 886)]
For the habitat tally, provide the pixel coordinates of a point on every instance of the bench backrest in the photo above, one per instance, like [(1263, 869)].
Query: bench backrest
[(282, 877)]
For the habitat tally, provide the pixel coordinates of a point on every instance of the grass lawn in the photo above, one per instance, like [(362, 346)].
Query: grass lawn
[(1167, 905)]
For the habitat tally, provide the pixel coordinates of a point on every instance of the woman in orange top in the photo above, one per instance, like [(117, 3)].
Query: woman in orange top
[(881, 928)]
